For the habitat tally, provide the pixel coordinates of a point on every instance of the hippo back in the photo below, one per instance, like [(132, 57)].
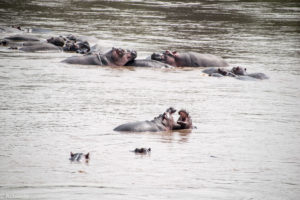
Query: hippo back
[(148, 63), (192, 59), (40, 47), (87, 60), (258, 75), (142, 126)]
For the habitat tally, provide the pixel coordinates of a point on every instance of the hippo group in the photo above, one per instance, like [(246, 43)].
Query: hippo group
[(29, 43), (96, 55)]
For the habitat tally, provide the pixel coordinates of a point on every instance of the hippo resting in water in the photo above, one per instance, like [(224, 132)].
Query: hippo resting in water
[(237, 72), (148, 63), (114, 57), (71, 43), (30, 43), (77, 156), (163, 122), (190, 59)]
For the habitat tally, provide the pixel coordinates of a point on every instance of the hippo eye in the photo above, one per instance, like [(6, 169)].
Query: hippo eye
[(245, 69)]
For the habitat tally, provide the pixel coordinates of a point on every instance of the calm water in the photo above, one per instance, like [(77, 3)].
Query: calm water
[(247, 142)]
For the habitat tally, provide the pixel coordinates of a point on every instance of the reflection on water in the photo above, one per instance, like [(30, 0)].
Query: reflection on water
[(247, 140)]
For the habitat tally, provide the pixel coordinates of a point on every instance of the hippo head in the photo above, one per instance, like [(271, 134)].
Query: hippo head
[(70, 46), (77, 156), (120, 56), (239, 71), (83, 47), (71, 37), (4, 42), (57, 41), (222, 71), (167, 57), (167, 118), (184, 119)]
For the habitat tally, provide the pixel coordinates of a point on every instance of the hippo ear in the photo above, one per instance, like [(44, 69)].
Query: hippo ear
[(87, 156), (71, 154), (245, 69), (174, 52)]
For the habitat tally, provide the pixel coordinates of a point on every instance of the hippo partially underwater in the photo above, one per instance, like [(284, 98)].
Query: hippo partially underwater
[(29, 43), (236, 72), (78, 156), (189, 59), (163, 122), (114, 57)]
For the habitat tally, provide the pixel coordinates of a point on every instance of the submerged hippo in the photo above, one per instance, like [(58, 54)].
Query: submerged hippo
[(237, 72), (40, 46), (190, 59), (163, 122), (142, 150), (115, 57), (22, 37), (70, 43), (77, 156), (184, 121), (148, 63)]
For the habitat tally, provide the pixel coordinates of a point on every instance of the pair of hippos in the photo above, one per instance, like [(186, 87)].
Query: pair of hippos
[(77, 157), (163, 122)]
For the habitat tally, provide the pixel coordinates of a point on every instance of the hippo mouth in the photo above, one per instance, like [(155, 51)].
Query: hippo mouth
[(171, 110)]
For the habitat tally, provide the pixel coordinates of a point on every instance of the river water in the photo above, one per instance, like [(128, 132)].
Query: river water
[(246, 145)]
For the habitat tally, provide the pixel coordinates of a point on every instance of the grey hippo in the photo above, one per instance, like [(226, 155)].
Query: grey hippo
[(148, 63), (71, 43), (142, 150), (114, 57), (236, 72), (189, 59), (29, 43), (164, 122)]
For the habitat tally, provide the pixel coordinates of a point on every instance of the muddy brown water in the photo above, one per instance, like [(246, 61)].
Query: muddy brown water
[(246, 145)]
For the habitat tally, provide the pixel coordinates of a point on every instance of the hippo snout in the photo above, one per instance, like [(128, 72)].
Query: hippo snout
[(157, 56), (171, 110), (133, 54)]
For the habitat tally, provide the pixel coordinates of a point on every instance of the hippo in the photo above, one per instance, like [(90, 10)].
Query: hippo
[(142, 150), (237, 72), (70, 44), (78, 47), (11, 29), (163, 122), (77, 157), (57, 41), (30, 46), (41, 46), (148, 63), (184, 121), (115, 57), (189, 59), (22, 37)]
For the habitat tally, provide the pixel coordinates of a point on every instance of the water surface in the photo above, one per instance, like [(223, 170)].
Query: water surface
[(246, 145)]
